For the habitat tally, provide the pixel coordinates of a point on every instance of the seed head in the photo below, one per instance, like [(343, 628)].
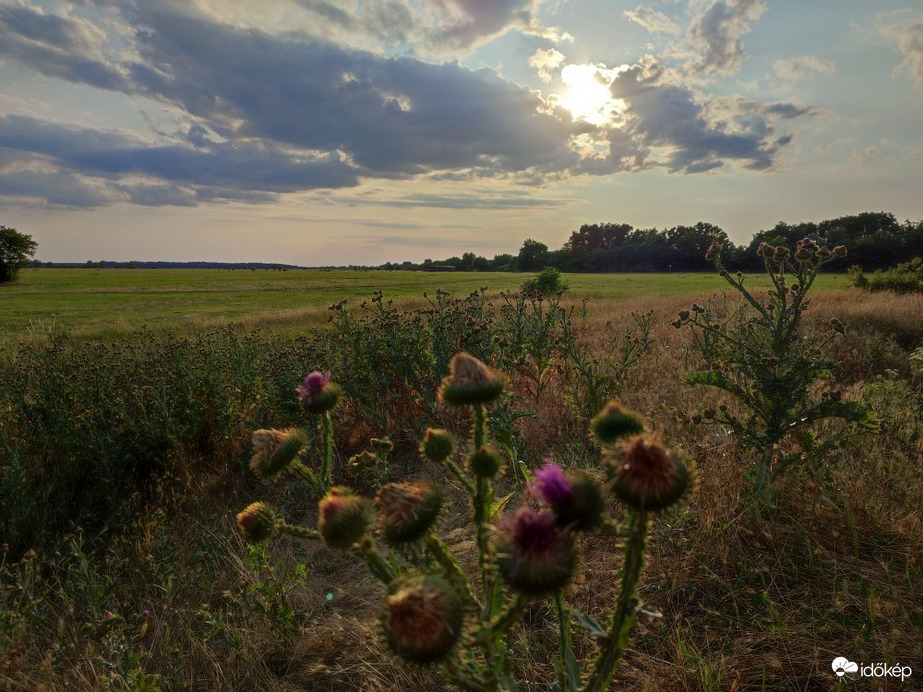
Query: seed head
[(343, 518), (647, 476), (484, 462), (422, 619), (437, 444), (257, 522), (275, 450), (614, 422), (470, 382), (407, 510)]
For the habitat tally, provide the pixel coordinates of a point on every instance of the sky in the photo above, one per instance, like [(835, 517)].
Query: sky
[(317, 132)]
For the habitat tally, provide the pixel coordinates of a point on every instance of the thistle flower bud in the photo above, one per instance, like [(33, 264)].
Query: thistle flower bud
[(647, 476), (824, 253), (764, 249), (470, 382), (684, 315), (343, 518), (713, 250), (614, 422), (781, 253), (257, 522), (534, 553), (484, 462), (574, 497), (803, 253), (382, 446), (739, 275), (317, 393), (695, 419), (709, 413), (422, 619), (275, 450), (437, 444), (677, 323), (840, 251), (407, 510)]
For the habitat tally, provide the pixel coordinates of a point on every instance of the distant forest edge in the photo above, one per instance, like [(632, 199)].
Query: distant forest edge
[(875, 240)]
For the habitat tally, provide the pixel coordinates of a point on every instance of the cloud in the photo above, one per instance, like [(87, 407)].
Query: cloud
[(470, 22), (59, 46), (546, 62), (653, 20), (693, 138), (716, 36), (108, 165), (387, 20), (909, 38), (799, 67)]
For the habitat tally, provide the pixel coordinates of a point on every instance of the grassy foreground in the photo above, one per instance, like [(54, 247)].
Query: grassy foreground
[(146, 585)]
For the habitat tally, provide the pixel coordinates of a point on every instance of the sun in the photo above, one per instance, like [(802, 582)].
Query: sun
[(588, 96)]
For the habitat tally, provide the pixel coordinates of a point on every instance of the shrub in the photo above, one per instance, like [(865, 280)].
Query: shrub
[(758, 356), (906, 277), (547, 282)]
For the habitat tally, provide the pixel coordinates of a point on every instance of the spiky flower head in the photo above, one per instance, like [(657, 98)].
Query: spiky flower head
[(574, 497), (275, 450), (713, 250), (423, 618), (781, 253), (470, 382), (839, 251), (614, 422), (534, 553), (484, 462), (382, 446), (437, 444), (317, 393), (343, 518), (257, 522), (648, 476), (804, 253), (407, 510)]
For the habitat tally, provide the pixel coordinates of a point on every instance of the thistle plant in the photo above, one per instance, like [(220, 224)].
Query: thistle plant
[(759, 356), (434, 611)]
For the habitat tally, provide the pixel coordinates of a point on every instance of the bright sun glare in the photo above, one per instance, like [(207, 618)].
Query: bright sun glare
[(588, 97)]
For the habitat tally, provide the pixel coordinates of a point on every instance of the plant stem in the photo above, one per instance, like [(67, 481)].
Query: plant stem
[(376, 563), (626, 605), (296, 531), (326, 467), (565, 650), (500, 625), (452, 569)]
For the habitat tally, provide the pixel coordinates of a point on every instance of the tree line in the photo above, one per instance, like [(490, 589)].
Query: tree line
[(875, 240)]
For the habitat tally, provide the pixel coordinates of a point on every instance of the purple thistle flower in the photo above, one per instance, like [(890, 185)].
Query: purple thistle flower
[(534, 535), (313, 385), (551, 485), (146, 613)]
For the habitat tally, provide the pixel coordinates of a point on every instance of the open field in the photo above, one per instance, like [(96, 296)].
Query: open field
[(124, 462), (107, 302)]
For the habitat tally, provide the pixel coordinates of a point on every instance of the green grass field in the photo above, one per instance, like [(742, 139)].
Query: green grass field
[(108, 302)]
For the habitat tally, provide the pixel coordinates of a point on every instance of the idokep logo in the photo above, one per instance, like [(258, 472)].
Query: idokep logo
[(841, 666)]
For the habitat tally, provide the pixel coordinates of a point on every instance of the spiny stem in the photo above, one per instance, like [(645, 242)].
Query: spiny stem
[(626, 605), (376, 563), (503, 622), (326, 467), (296, 531), (452, 569), (564, 638)]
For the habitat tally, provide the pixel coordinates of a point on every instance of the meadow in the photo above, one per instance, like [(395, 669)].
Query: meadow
[(129, 397)]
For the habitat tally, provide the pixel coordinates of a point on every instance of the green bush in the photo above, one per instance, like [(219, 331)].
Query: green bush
[(906, 277), (547, 283)]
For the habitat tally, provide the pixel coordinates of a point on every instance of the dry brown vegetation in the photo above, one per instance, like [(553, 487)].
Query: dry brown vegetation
[(748, 603)]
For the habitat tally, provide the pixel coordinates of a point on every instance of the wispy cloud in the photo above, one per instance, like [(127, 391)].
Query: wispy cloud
[(802, 66), (716, 35), (653, 20), (908, 34)]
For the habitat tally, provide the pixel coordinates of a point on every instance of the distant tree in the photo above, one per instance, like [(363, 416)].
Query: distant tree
[(533, 256), (16, 251)]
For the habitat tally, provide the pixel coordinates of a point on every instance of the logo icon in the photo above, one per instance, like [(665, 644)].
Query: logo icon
[(841, 666)]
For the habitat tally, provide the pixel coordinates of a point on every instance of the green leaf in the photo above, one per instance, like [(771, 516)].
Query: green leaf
[(497, 506), (590, 623)]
